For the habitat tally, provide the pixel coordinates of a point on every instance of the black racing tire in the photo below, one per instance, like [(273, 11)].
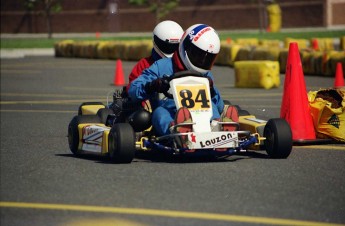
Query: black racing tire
[(73, 133), (88, 103), (278, 142), (121, 143), (103, 114)]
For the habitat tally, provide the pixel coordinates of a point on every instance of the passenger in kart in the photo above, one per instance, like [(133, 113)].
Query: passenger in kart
[(197, 52), (165, 39)]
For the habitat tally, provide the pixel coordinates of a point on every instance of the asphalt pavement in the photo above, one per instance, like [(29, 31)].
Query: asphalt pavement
[(43, 183)]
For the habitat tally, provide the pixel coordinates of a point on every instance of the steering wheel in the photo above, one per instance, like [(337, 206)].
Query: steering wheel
[(182, 74)]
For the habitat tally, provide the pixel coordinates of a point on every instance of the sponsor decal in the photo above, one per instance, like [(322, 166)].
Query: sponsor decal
[(90, 130), (196, 30), (217, 141), (93, 135), (174, 40), (334, 121), (256, 120), (192, 137), (92, 148), (199, 34)]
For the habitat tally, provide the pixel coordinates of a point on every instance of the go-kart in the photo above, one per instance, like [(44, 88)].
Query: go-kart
[(117, 132)]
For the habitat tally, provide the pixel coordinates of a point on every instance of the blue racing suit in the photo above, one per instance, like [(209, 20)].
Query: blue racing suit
[(164, 110)]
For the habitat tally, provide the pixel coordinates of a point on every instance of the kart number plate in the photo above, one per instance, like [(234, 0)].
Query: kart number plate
[(193, 96)]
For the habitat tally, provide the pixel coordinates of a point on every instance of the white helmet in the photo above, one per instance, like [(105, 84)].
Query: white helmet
[(166, 37), (199, 47)]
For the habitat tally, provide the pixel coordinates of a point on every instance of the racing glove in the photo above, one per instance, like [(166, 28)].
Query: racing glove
[(159, 85)]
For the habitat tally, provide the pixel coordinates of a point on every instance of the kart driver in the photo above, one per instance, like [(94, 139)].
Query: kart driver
[(197, 52), (166, 38)]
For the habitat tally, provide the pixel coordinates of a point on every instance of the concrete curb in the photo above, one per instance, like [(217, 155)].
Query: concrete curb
[(21, 53)]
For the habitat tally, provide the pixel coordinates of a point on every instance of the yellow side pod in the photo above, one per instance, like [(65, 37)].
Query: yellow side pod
[(91, 109), (255, 126), (105, 142)]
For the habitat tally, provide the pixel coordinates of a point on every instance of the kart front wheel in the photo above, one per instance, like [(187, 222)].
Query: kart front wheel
[(73, 133), (121, 145), (278, 136)]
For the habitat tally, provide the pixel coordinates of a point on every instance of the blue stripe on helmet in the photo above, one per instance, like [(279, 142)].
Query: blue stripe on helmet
[(199, 28), (196, 30)]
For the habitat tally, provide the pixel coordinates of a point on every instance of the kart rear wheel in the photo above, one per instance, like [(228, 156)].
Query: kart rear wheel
[(121, 144), (73, 133), (103, 114), (278, 143)]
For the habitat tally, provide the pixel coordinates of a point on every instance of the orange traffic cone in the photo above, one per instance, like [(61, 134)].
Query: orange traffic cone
[(339, 76), (119, 78), (295, 106)]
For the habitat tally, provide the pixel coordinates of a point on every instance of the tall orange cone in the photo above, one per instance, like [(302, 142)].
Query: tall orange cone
[(339, 76), (119, 78), (295, 106)]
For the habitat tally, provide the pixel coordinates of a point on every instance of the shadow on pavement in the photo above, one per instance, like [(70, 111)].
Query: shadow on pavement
[(160, 157)]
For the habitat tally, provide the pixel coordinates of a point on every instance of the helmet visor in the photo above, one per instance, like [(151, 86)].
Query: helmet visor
[(166, 46), (198, 57)]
